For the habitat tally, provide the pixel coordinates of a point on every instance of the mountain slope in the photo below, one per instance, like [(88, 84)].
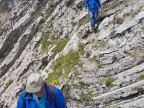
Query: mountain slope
[(95, 70)]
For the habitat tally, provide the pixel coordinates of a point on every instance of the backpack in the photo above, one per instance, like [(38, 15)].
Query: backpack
[(51, 98)]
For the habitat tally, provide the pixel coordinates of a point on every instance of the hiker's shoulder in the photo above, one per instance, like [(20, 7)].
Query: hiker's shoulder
[(22, 94), (54, 88), (58, 93)]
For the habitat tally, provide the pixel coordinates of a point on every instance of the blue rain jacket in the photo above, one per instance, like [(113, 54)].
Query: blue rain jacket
[(58, 102), (92, 4)]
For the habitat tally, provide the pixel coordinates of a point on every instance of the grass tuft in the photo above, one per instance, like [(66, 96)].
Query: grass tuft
[(108, 81), (63, 66)]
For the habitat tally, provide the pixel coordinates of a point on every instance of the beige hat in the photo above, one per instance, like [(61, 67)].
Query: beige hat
[(34, 82)]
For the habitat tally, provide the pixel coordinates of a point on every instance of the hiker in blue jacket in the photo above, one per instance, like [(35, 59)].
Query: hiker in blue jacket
[(38, 94), (93, 6)]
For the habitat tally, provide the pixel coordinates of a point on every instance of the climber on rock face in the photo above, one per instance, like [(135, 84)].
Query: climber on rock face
[(93, 6)]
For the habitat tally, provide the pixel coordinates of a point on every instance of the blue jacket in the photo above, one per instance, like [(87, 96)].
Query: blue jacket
[(92, 4), (58, 102)]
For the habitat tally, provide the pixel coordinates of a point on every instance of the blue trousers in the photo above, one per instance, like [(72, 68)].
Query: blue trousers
[(93, 17)]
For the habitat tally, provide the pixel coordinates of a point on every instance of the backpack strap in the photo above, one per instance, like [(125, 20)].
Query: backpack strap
[(24, 100), (52, 96)]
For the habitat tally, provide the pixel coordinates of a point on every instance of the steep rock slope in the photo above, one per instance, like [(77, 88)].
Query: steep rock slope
[(104, 69)]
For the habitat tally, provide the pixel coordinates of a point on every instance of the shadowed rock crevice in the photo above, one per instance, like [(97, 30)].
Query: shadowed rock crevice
[(12, 40), (25, 70), (23, 43), (14, 35)]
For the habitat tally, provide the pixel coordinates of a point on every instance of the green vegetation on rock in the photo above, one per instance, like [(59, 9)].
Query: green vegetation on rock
[(86, 96), (101, 45), (63, 66), (59, 47), (135, 53), (65, 90), (45, 42), (81, 47), (141, 77), (83, 85), (8, 84), (80, 5), (84, 20), (51, 9), (108, 81)]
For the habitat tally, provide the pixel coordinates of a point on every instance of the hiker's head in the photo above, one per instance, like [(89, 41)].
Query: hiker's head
[(35, 84)]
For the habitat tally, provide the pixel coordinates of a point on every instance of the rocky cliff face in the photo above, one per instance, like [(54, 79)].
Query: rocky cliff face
[(104, 69)]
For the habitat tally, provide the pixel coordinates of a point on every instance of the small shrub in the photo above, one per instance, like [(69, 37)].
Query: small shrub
[(60, 33), (94, 58), (54, 38), (83, 85), (81, 47), (86, 96), (118, 19), (141, 77), (80, 64), (97, 60), (138, 52), (8, 84), (80, 5), (65, 90), (46, 70), (49, 25), (84, 20), (139, 62), (101, 45), (108, 81)]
